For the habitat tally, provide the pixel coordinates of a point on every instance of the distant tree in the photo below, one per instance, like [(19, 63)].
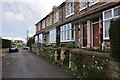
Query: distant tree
[(30, 41)]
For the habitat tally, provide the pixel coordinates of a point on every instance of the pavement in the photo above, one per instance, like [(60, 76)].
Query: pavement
[(25, 64)]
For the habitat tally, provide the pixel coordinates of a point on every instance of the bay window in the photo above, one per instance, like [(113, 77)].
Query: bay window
[(67, 33), (107, 16), (69, 8), (52, 36)]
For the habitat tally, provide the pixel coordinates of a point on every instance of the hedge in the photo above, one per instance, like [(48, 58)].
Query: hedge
[(114, 33), (5, 43)]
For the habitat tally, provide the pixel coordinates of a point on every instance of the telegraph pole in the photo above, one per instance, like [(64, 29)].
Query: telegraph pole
[(27, 36)]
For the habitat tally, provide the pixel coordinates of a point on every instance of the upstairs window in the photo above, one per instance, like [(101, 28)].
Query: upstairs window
[(56, 16), (43, 24), (50, 20), (38, 26), (69, 8), (83, 4)]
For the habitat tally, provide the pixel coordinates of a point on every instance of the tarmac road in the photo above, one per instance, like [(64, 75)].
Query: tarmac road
[(25, 64)]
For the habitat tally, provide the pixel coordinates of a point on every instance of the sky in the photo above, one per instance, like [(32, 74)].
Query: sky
[(17, 17)]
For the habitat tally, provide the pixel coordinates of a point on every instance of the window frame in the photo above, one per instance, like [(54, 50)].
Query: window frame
[(56, 16), (83, 7), (112, 11), (64, 33), (52, 38), (70, 8)]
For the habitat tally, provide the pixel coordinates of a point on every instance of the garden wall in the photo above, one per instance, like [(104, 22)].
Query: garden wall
[(87, 65)]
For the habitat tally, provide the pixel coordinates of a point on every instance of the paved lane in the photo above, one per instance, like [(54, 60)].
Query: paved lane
[(24, 64)]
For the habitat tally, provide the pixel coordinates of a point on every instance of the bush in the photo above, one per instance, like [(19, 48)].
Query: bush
[(5, 43), (114, 33)]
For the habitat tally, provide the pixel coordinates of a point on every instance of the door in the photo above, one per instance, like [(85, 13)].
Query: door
[(96, 35), (84, 35)]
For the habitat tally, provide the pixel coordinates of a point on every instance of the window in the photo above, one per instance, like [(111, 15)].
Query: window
[(67, 33), (38, 26), (107, 16), (56, 16), (36, 39), (50, 20), (43, 24), (83, 4), (52, 36), (69, 9), (40, 38), (117, 11)]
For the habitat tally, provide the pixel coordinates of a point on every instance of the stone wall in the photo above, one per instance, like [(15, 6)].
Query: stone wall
[(82, 63)]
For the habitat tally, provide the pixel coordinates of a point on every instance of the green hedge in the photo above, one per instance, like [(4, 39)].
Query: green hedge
[(114, 33), (5, 43)]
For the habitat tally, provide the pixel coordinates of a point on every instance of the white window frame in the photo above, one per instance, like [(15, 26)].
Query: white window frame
[(50, 20), (83, 7), (38, 26), (64, 33), (112, 10), (70, 8), (56, 16), (52, 38), (41, 38), (36, 39), (43, 24)]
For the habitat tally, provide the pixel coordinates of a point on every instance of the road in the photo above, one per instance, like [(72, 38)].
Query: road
[(25, 64)]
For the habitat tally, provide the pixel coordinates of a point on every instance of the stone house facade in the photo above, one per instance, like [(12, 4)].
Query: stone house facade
[(84, 23)]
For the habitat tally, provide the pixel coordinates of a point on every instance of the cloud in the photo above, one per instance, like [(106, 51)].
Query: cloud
[(13, 16)]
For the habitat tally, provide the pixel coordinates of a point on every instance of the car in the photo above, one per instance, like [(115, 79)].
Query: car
[(26, 47), (13, 49)]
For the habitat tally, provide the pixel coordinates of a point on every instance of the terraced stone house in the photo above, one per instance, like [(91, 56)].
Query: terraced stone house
[(84, 23)]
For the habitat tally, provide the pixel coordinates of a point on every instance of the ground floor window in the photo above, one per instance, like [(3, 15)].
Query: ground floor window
[(40, 38), (36, 39), (52, 36), (67, 33), (107, 16)]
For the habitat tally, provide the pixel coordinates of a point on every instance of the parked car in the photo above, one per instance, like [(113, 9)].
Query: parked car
[(26, 47), (13, 49)]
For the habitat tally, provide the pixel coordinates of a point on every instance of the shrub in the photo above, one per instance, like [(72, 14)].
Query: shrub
[(6, 43), (114, 33)]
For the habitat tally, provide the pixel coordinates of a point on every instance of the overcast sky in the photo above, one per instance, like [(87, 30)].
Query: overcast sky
[(18, 17)]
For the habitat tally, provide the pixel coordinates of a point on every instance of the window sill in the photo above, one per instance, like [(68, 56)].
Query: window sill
[(106, 38), (93, 3), (68, 41), (83, 8), (69, 15)]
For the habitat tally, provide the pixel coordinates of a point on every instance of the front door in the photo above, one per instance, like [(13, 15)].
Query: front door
[(84, 35), (96, 35)]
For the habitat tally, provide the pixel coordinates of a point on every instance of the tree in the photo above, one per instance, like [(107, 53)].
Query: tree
[(30, 41), (114, 33)]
